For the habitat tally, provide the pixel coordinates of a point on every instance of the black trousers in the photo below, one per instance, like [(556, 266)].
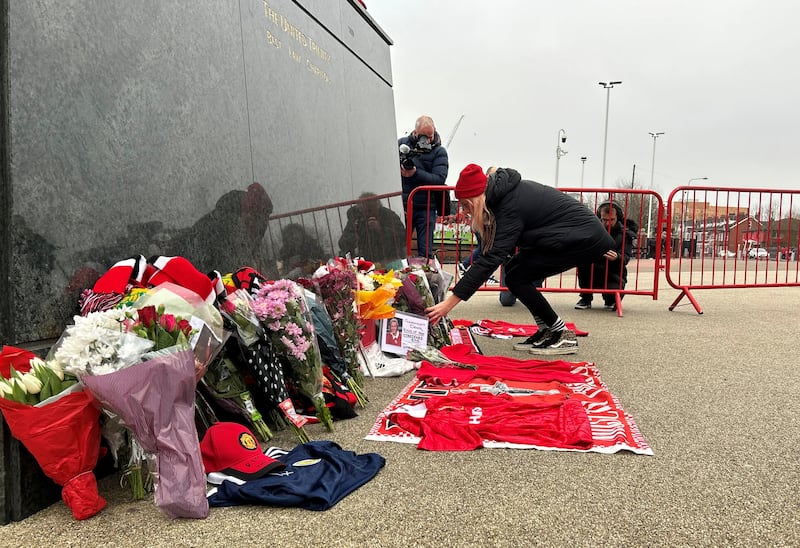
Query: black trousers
[(529, 265)]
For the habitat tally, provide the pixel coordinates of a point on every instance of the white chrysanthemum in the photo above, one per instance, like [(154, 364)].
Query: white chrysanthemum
[(98, 344), (365, 282)]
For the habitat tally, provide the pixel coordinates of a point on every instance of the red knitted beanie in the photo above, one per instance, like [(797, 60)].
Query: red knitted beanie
[(471, 182)]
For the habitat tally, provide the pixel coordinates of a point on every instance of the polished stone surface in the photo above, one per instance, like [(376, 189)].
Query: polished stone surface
[(137, 128)]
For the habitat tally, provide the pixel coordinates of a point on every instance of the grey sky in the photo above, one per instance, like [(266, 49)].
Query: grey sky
[(715, 76)]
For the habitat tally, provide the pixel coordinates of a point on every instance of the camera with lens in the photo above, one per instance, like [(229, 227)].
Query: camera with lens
[(422, 145), (406, 155)]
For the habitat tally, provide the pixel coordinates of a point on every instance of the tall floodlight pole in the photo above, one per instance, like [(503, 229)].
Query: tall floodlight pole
[(583, 169), (562, 138), (608, 87), (654, 135)]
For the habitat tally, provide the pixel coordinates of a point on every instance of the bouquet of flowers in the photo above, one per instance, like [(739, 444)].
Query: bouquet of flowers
[(435, 357), (282, 309), (415, 296), (224, 384), (99, 343), (253, 351), (376, 294), (41, 381), (61, 431), (236, 308), (165, 330), (336, 283), (153, 398)]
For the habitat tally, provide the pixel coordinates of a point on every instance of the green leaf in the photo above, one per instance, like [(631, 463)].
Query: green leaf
[(67, 383), (18, 392), (55, 382), (163, 339), (47, 389)]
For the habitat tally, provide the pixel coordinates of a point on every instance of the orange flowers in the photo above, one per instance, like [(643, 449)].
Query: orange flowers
[(376, 304)]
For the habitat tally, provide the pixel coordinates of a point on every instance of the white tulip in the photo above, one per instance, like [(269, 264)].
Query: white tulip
[(17, 382), (5, 387), (55, 367), (32, 383)]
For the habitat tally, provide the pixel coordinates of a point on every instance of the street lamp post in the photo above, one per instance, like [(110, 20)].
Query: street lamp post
[(562, 138), (583, 169), (608, 87), (655, 136)]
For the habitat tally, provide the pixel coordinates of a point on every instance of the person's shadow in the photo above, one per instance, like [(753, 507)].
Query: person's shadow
[(230, 236)]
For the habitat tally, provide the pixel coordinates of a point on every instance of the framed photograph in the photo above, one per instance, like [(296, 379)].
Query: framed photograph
[(403, 332)]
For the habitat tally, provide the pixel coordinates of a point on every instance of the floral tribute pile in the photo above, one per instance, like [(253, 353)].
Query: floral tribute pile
[(161, 351)]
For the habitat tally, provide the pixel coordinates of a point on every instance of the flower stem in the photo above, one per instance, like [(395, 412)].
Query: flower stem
[(358, 392), (323, 413), (300, 432), (133, 476)]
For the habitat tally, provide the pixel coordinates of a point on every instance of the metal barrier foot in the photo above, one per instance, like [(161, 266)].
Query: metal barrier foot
[(685, 291)]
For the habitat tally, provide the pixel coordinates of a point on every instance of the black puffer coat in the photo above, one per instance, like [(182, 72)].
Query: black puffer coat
[(612, 274), (531, 216), (432, 168)]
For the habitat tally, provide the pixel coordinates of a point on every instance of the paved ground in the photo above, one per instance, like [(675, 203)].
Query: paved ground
[(715, 396)]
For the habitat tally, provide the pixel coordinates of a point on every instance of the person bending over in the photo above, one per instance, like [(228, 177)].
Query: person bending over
[(544, 231)]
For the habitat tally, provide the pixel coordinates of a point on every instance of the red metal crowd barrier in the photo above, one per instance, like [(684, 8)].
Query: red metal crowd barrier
[(454, 242), (730, 238), (296, 243), (708, 237)]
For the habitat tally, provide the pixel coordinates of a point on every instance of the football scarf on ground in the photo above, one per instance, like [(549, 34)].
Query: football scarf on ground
[(503, 410), (498, 329)]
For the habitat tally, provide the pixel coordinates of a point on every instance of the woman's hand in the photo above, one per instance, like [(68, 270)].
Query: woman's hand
[(440, 310), (611, 255)]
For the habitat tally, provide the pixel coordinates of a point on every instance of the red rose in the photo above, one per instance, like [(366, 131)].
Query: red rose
[(148, 316), (185, 326), (167, 321)]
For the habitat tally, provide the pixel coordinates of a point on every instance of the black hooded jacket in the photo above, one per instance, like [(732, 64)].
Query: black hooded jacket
[(614, 274), (538, 219)]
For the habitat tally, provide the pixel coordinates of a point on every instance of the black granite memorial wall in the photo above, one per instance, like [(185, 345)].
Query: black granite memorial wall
[(173, 128)]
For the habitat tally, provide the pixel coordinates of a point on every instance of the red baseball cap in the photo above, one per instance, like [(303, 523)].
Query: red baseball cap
[(232, 449)]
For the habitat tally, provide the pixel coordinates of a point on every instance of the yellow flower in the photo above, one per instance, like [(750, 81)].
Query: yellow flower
[(387, 278), (374, 305)]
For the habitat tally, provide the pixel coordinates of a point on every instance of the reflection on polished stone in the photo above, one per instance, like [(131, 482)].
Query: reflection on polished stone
[(139, 133)]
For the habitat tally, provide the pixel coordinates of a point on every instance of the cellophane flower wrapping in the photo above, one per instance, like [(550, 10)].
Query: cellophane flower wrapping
[(336, 284), (376, 294), (224, 384), (63, 435), (282, 309), (155, 399), (254, 349), (237, 308), (208, 334), (415, 296), (99, 343)]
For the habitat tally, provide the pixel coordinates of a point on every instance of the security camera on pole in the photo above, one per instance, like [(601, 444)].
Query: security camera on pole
[(583, 169), (562, 138)]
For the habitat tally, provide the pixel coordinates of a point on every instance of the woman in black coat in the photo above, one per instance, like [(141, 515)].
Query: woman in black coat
[(537, 231)]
